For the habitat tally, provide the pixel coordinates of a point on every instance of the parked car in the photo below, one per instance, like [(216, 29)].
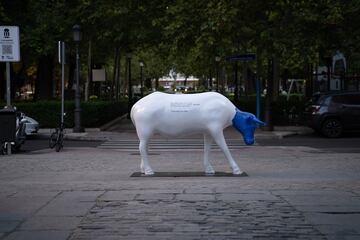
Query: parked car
[(332, 114)]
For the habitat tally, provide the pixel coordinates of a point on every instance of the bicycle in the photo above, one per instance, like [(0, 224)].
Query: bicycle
[(57, 138)]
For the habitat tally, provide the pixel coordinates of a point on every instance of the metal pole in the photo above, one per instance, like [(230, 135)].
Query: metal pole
[(62, 80), (77, 111), (8, 98), (8, 92), (141, 81)]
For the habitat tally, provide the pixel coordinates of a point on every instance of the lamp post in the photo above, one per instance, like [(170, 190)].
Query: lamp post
[(141, 63), (217, 60), (77, 112), (128, 58)]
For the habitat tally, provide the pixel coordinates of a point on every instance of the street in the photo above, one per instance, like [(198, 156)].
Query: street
[(298, 187), (346, 144), (35, 143)]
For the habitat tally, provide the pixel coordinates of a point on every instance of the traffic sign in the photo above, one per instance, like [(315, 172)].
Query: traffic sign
[(241, 57), (9, 44)]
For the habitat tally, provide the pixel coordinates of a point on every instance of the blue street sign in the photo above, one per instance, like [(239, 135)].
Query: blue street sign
[(241, 57)]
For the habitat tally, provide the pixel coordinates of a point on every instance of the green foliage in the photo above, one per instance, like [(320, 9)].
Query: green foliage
[(190, 34), (94, 114), (161, 89), (187, 35)]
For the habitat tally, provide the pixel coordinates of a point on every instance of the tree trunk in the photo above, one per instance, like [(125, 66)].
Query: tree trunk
[(245, 77), (117, 75), (157, 84), (210, 85), (126, 79), (275, 78), (309, 80), (115, 86), (236, 82), (259, 77), (269, 93), (89, 73), (69, 84), (44, 78)]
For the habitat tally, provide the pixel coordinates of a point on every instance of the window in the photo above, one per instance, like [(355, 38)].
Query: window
[(351, 99)]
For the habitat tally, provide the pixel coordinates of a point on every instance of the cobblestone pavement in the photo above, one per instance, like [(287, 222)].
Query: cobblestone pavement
[(87, 193), (195, 216)]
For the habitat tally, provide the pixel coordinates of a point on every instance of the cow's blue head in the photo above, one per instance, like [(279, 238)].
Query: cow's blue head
[(246, 123)]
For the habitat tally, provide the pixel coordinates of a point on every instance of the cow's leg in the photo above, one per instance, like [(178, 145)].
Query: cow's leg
[(144, 137), (218, 136), (145, 165), (207, 147)]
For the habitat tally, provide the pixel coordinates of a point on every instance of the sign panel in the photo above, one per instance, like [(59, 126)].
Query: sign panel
[(241, 57), (98, 75), (9, 44)]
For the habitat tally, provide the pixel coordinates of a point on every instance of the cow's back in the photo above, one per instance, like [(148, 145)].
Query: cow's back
[(178, 114)]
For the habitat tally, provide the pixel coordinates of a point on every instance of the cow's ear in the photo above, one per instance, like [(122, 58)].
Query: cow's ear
[(257, 122)]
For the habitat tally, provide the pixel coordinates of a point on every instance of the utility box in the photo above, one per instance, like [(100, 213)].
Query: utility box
[(7, 125)]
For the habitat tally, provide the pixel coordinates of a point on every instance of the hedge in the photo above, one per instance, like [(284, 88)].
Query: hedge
[(93, 113), (97, 113)]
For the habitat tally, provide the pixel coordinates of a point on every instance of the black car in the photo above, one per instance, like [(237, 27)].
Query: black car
[(334, 113)]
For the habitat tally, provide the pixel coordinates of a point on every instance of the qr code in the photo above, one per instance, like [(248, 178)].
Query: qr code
[(7, 49)]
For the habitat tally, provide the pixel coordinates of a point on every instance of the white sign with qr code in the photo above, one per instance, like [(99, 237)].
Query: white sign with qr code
[(9, 44)]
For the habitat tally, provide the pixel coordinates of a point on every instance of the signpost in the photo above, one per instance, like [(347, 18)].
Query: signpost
[(61, 55), (10, 44), (9, 52)]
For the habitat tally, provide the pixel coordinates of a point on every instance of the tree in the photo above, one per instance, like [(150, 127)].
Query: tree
[(187, 35)]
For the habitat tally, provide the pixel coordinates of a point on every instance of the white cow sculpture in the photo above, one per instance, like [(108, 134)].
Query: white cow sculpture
[(178, 114)]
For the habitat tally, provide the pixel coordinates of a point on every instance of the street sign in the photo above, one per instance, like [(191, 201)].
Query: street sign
[(9, 44), (241, 57)]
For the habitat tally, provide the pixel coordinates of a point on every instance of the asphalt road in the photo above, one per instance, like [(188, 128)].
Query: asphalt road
[(34, 144), (346, 144)]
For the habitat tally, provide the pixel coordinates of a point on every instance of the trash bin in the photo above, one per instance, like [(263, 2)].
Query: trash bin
[(7, 125)]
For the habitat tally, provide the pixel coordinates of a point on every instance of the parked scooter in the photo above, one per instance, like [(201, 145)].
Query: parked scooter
[(20, 135)]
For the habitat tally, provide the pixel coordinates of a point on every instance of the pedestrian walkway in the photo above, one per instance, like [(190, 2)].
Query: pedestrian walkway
[(87, 193), (183, 144)]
